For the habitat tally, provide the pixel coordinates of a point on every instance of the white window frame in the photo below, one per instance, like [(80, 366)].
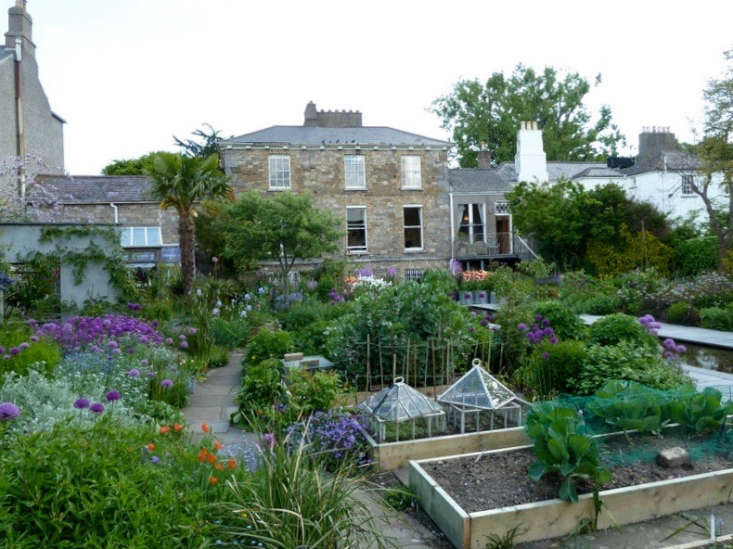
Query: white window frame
[(131, 231), (421, 226), (354, 250), (272, 171), (471, 228), (684, 188), (347, 186), (405, 173)]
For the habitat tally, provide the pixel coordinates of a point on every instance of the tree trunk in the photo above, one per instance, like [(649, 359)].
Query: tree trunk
[(186, 239)]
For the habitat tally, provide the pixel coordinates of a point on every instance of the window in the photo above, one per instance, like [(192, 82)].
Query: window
[(501, 207), (354, 171), (356, 229), (687, 184), (411, 178), (140, 237), (279, 172), (414, 274), (472, 223), (413, 227)]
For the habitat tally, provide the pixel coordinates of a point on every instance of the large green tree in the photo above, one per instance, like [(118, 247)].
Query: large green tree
[(130, 166), (564, 218), (490, 113), (282, 228), (181, 182)]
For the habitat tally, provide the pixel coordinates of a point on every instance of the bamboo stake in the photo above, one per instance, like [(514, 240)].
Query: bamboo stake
[(394, 365), (369, 363), (381, 370)]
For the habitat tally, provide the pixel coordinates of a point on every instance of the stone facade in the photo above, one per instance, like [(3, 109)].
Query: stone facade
[(320, 171)]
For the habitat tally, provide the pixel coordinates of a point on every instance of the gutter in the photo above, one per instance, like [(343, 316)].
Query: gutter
[(20, 139)]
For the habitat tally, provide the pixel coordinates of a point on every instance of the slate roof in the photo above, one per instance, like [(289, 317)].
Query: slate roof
[(566, 170), (96, 189), (470, 180), (665, 161), (4, 52), (317, 135)]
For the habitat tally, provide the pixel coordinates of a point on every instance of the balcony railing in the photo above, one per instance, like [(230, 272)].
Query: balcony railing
[(497, 245)]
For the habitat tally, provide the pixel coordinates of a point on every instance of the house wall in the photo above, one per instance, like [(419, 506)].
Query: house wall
[(321, 172)]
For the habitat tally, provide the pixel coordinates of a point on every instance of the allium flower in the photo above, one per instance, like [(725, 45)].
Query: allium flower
[(681, 349), (545, 355), (169, 340), (184, 344), (484, 322), (134, 372), (522, 327), (2, 350), (198, 291), (269, 440), (215, 311), (23, 346), (144, 362), (247, 297), (154, 459), (6, 357), (14, 351), (34, 338), (166, 383), (218, 302), (311, 285), (261, 290), (669, 343), (97, 407), (151, 374), (113, 395), (192, 330), (391, 272), (8, 410), (81, 403)]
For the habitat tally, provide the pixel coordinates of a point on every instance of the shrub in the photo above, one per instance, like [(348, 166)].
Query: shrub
[(157, 309), (218, 357), (683, 313), (311, 340), (312, 392), (262, 386), (625, 361), (97, 487), (696, 255), (551, 367), (231, 334), (268, 344), (616, 328), (565, 323), (514, 345), (303, 314), (601, 305), (717, 318), (19, 350)]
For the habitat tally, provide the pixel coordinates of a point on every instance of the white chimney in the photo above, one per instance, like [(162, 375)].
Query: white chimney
[(530, 162)]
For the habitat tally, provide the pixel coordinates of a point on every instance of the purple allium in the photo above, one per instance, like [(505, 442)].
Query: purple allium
[(169, 340), (669, 343), (134, 306), (184, 344), (154, 459), (269, 439), (8, 410), (668, 355), (97, 407), (81, 403), (484, 322), (14, 351), (538, 318), (144, 362), (113, 395), (261, 290), (392, 272), (133, 372), (6, 357), (131, 351), (151, 374), (247, 297), (167, 383), (681, 349), (23, 346), (472, 330), (545, 355), (553, 340), (192, 330), (34, 338), (522, 327), (2, 350), (117, 351)]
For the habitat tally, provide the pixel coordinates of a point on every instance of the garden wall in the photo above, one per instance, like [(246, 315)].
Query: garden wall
[(19, 239)]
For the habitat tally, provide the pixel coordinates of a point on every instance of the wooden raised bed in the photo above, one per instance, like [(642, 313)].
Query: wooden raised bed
[(554, 518)]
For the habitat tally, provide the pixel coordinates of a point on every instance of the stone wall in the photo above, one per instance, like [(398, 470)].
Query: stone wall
[(321, 172)]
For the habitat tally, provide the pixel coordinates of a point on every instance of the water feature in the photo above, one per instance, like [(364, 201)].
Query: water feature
[(710, 358)]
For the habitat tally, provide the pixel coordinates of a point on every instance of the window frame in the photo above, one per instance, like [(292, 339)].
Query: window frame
[(270, 172), (685, 181), (130, 230), (349, 157), (471, 224), (403, 172), (357, 251), (421, 227)]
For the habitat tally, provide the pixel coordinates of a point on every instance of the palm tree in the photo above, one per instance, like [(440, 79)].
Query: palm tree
[(179, 182)]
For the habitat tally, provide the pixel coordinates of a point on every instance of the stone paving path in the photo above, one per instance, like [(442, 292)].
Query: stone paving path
[(214, 400)]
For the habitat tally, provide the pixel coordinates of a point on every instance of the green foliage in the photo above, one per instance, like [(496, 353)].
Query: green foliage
[(506, 541), (42, 352), (626, 361), (262, 386), (682, 312), (619, 327), (565, 322), (628, 406), (698, 412), (231, 334), (601, 305), (627, 252), (157, 309), (302, 314), (218, 357), (268, 344), (696, 255), (562, 446), (35, 289), (491, 113), (206, 143), (717, 318), (130, 166), (399, 499), (311, 340), (97, 487), (312, 392), (514, 346), (550, 368)]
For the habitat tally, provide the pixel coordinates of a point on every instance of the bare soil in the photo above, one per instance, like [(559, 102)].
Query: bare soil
[(500, 479)]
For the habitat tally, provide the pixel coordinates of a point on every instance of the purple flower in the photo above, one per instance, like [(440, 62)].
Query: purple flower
[(144, 362), (184, 344), (522, 327), (113, 395), (391, 272), (553, 340), (166, 383), (455, 266), (681, 349), (669, 343), (134, 306), (2, 350), (6, 357), (545, 355), (81, 403), (269, 440), (23, 346), (151, 374), (133, 373), (192, 330), (8, 410), (14, 351), (538, 318), (34, 338), (154, 459), (97, 407), (484, 322)]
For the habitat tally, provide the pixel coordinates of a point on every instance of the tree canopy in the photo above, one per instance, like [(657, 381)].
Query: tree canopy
[(283, 228), (490, 113), (130, 166)]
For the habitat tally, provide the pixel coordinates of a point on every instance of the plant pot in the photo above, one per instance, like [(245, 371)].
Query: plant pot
[(466, 298), (481, 297)]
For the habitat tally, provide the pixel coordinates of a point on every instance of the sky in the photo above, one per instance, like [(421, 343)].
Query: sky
[(128, 75)]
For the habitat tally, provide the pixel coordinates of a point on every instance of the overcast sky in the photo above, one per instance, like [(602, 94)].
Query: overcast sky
[(127, 75)]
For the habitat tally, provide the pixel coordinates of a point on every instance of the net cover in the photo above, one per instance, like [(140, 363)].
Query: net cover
[(478, 389), (400, 402)]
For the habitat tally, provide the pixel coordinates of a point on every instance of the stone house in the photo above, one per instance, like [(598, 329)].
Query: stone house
[(390, 187), (29, 127)]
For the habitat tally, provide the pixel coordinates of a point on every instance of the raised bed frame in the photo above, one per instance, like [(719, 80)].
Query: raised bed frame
[(554, 518)]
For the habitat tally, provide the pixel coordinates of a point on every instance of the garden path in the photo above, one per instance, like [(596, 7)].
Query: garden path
[(214, 400)]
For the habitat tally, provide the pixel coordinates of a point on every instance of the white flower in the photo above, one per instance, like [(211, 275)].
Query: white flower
[(218, 303), (215, 312), (198, 291)]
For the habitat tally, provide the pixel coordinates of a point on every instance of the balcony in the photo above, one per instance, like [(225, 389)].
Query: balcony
[(497, 246)]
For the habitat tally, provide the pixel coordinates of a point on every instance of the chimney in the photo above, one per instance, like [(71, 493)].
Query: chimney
[(653, 141), (530, 162), (20, 25), (483, 157), (331, 119), (311, 114)]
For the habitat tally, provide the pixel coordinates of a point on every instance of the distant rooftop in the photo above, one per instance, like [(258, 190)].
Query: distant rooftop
[(98, 189)]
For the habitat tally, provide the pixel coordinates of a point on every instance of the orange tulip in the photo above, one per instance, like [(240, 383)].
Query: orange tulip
[(150, 446), (164, 429), (213, 479), (219, 466), (178, 427), (212, 458), (218, 445), (205, 428), (231, 463), (202, 454)]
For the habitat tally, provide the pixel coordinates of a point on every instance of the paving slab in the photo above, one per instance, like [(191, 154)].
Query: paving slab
[(214, 400)]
